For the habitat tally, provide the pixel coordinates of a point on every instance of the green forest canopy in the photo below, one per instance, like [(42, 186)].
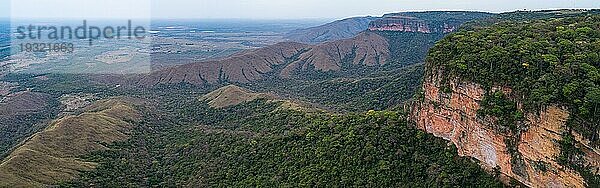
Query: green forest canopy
[(551, 61)]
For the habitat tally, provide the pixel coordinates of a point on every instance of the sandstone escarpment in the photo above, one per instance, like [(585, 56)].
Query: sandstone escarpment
[(410, 24), (424, 22), (451, 113)]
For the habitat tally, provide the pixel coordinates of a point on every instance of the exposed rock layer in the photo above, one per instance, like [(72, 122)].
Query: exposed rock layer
[(453, 116), (424, 22), (410, 24)]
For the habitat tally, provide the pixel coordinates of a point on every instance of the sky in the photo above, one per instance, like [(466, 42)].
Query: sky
[(261, 9)]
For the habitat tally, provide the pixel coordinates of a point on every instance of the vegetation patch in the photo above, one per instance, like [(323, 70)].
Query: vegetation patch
[(253, 144), (51, 155)]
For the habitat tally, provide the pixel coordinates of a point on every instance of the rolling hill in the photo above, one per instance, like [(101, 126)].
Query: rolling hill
[(364, 52), (231, 95), (281, 60), (54, 154), (23, 114), (340, 29)]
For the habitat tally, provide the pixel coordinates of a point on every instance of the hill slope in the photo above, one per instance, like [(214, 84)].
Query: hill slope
[(366, 49), (22, 114), (362, 53), (52, 155), (231, 95), (279, 60), (243, 67), (340, 29)]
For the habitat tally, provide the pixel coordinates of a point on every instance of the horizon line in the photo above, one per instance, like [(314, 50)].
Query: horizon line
[(299, 18)]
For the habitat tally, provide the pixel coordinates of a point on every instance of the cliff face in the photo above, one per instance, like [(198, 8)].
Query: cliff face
[(425, 22), (452, 115), (411, 24)]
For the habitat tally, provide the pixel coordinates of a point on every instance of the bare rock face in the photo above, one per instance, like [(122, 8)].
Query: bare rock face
[(453, 116), (412, 24), (538, 144), (407, 24), (424, 22)]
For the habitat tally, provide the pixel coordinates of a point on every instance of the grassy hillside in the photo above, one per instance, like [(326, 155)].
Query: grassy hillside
[(231, 95), (52, 155)]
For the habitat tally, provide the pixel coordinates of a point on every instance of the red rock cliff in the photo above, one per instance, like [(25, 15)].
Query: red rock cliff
[(453, 116), (411, 24)]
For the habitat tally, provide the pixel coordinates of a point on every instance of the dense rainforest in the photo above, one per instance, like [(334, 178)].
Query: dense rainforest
[(262, 144)]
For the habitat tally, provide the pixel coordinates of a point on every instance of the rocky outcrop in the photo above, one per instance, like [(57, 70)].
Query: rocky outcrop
[(410, 24), (424, 22), (451, 113)]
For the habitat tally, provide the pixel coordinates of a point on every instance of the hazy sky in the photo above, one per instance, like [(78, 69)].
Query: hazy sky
[(262, 9)]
